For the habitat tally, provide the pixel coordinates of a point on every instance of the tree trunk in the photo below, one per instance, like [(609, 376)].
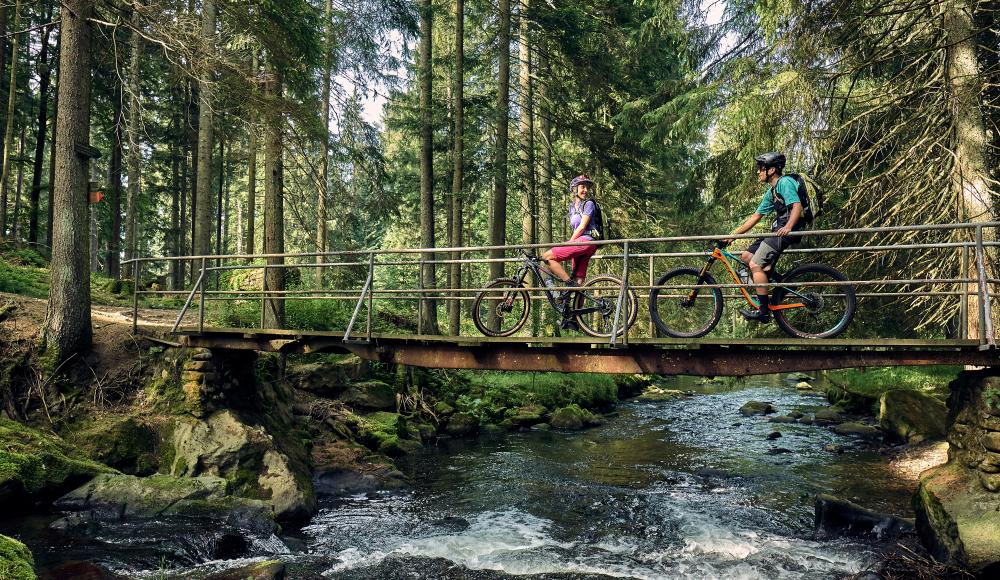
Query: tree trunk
[(115, 180), (526, 130), (498, 217), (67, 325), (219, 209), (428, 307), (249, 246), (14, 229), (9, 131), (134, 158), (52, 150), (3, 55), (44, 78), (545, 203), (458, 168), (203, 196), (322, 192), (176, 193), (274, 212), (970, 175)]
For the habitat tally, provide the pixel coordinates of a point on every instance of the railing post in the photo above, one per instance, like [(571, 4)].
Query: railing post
[(621, 301), (963, 305), (371, 294), (420, 301), (986, 337), (361, 299), (201, 302), (649, 291), (135, 296)]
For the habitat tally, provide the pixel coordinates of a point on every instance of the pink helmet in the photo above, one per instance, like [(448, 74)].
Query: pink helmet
[(580, 179)]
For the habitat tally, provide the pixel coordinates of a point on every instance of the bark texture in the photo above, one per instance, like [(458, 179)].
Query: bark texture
[(428, 308), (274, 211), (458, 169), (203, 197), (498, 215), (67, 325)]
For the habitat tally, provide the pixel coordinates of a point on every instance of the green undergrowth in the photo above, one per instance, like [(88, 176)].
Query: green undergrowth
[(872, 382)]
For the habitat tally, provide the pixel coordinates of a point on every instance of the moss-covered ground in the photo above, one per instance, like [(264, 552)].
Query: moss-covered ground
[(872, 382), (16, 562)]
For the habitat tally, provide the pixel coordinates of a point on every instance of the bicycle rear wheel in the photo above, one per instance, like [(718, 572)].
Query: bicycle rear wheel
[(502, 309), (599, 297), (685, 312), (806, 310)]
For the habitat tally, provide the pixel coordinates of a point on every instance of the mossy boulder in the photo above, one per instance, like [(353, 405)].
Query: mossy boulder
[(656, 393), (127, 497), (911, 415), (528, 415), (16, 562), (572, 417), (35, 463), (247, 456), (389, 433), (752, 408), (126, 443), (462, 425), (370, 395), (830, 415), (849, 400), (957, 519)]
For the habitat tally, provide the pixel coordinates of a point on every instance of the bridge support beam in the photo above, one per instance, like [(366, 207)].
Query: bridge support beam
[(651, 360)]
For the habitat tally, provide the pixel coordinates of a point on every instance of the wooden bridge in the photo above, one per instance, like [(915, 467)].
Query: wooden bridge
[(393, 330)]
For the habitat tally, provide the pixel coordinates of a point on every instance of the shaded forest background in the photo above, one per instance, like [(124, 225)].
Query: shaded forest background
[(228, 127)]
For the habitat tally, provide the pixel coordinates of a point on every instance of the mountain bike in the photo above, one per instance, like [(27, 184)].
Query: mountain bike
[(813, 303), (505, 304)]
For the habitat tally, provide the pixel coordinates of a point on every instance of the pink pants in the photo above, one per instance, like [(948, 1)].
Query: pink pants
[(579, 254)]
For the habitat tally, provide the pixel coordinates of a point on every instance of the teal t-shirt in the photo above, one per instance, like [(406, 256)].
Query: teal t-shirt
[(787, 188)]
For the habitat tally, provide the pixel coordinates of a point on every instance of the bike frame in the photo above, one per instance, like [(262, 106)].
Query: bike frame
[(533, 264), (718, 254)]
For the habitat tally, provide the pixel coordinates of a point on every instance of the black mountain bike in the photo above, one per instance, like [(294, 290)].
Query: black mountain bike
[(814, 303), (504, 306)]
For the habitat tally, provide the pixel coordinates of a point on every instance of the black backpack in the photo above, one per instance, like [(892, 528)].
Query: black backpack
[(600, 222), (808, 214)]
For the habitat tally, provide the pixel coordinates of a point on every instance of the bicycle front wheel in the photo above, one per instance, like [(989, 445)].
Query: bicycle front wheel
[(685, 312), (501, 309), (597, 301), (805, 309)]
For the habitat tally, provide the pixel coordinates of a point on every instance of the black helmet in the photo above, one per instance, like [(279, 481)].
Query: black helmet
[(771, 159)]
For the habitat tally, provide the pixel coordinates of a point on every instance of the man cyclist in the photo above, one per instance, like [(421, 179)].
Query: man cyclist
[(581, 218), (781, 197)]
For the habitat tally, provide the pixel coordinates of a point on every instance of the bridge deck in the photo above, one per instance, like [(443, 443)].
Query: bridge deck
[(704, 356)]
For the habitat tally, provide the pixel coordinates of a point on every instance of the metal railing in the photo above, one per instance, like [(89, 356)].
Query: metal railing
[(386, 277)]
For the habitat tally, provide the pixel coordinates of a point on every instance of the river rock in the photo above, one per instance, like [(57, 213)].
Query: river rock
[(462, 425), (528, 415), (906, 414), (270, 570), (957, 519), (757, 408), (16, 562), (370, 395), (833, 448), (858, 429), (827, 416), (222, 445), (655, 393), (443, 409), (77, 570), (571, 417), (773, 435), (803, 386), (838, 517), (127, 497), (782, 419)]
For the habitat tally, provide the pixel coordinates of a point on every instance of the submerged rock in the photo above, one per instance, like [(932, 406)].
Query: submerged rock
[(16, 562), (838, 517), (906, 415), (655, 393), (269, 570), (803, 386), (827, 416), (858, 429), (782, 419), (757, 408)]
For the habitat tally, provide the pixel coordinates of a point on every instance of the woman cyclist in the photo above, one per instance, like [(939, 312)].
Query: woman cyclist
[(581, 215)]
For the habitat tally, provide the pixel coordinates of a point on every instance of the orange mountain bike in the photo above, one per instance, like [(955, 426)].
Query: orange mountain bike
[(813, 303)]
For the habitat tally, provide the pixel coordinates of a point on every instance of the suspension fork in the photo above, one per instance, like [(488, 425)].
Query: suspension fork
[(701, 275)]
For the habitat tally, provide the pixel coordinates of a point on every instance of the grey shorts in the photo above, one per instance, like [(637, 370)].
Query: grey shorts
[(766, 251)]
